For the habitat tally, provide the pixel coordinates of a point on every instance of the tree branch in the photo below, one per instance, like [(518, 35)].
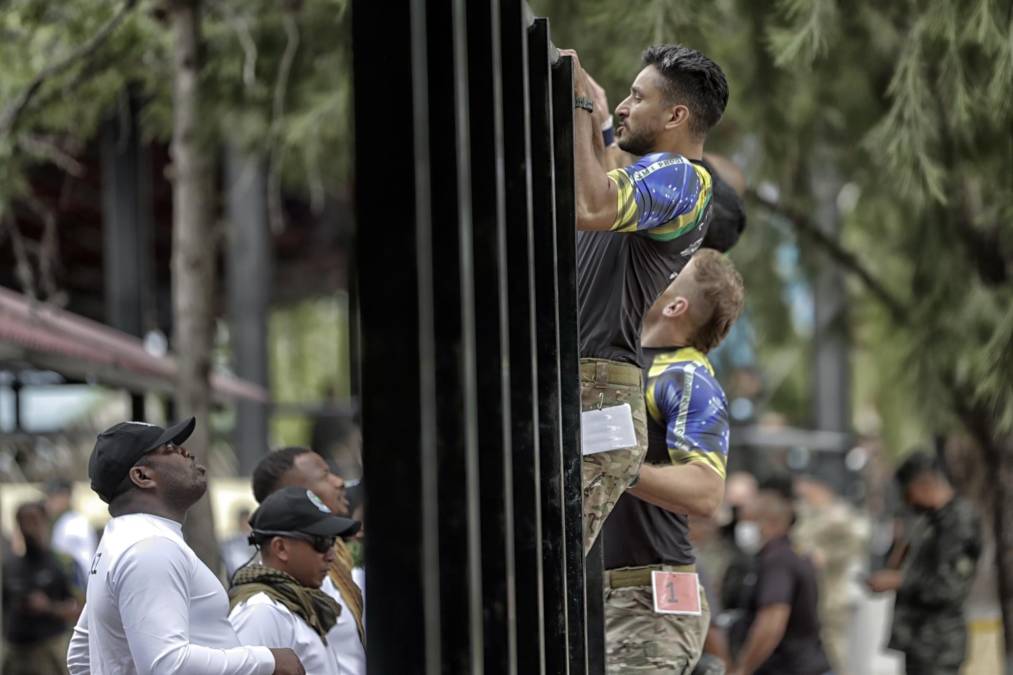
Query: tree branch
[(843, 257), (276, 215), (12, 114), (22, 266)]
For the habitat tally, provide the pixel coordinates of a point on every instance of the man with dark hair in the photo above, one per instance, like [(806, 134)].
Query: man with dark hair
[(687, 429), (937, 571), (304, 468), (152, 605), (279, 602), (784, 628), (638, 226), (42, 597)]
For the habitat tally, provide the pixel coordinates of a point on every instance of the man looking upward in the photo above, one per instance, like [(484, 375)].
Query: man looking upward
[(684, 471), (637, 228), (279, 603), (152, 606)]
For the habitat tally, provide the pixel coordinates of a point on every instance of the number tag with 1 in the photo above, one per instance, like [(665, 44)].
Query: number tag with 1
[(676, 593)]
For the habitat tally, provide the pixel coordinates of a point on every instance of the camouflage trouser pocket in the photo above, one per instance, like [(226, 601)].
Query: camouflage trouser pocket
[(640, 642), (605, 475)]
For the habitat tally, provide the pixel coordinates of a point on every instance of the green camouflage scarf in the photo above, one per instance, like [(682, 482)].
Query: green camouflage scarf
[(316, 608)]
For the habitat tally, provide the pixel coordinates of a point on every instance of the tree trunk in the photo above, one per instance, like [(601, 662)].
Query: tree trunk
[(193, 258)]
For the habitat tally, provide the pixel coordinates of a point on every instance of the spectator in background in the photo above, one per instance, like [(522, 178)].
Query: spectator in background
[(237, 550), (784, 633), (279, 602), (304, 468), (937, 571), (73, 535), (831, 534), (42, 598)]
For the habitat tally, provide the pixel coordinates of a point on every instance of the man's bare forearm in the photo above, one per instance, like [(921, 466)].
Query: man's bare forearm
[(764, 636), (591, 183), (683, 488)]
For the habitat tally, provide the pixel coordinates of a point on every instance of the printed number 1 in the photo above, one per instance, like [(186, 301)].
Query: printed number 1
[(672, 598)]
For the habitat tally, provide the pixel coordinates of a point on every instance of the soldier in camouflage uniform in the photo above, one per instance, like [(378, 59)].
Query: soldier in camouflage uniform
[(688, 433), (830, 533), (637, 228), (928, 618)]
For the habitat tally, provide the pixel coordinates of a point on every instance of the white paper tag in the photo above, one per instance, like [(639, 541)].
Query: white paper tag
[(607, 429)]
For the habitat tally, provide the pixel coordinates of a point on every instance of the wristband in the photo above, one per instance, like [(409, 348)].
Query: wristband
[(608, 133)]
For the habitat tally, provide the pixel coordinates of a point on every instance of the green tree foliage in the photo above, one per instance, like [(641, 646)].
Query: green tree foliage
[(277, 74)]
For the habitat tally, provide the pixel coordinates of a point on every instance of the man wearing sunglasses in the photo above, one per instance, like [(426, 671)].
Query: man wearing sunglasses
[(152, 606), (302, 467), (279, 602)]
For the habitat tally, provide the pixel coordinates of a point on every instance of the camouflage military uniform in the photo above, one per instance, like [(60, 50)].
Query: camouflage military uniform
[(928, 618), (642, 642), (830, 535), (605, 475)]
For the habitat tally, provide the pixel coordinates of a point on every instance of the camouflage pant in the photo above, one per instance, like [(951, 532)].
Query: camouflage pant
[(606, 474), (639, 641), (46, 656)]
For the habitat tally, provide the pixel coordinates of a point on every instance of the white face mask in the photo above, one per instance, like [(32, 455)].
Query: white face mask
[(747, 536)]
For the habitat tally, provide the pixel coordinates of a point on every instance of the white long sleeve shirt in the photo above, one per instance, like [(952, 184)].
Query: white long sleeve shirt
[(343, 639), (154, 608), (262, 621), (73, 535)]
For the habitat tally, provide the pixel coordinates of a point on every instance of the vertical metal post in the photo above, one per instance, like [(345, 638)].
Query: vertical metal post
[(454, 338), (492, 338), (569, 376), (547, 335), (594, 581), (400, 510), (481, 530), (523, 367)]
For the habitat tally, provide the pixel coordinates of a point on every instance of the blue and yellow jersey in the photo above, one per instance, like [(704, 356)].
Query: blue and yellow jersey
[(663, 195), (685, 401)]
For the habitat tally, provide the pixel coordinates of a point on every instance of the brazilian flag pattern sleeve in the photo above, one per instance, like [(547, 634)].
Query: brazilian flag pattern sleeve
[(663, 196), (684, 397)]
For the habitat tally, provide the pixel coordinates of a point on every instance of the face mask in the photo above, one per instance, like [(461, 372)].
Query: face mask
[(747, 536)]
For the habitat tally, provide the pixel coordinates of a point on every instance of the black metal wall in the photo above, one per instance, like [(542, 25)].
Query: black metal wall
[(468, 340)]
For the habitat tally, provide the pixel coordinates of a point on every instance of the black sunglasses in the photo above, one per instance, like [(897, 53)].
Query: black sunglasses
[(320, 543)]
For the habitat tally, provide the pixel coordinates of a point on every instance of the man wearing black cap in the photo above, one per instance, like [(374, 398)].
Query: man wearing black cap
[(279, 602), (304, 468), (152, 606)]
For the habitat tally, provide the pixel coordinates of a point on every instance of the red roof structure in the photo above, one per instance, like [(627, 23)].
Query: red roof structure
[(54, 339)]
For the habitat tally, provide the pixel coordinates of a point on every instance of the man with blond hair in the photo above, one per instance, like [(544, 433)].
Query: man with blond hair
[(683, 473)]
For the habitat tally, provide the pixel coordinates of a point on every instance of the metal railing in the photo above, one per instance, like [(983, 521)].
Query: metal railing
[(467, 342)]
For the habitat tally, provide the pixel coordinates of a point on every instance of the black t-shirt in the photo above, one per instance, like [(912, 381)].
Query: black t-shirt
[(784, 577), (664, 211), (638, 533), (687, 422), (51, 573)]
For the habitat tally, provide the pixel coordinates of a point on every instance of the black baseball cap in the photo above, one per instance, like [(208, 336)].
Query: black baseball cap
[(120, 446), (296, 509)]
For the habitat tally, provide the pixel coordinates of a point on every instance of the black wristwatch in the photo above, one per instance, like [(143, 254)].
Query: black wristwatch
[(583, 103)]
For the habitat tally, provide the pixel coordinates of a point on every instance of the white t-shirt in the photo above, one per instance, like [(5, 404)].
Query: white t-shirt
[(343, 639), (262, 621), (73, 535), (154, 608)]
